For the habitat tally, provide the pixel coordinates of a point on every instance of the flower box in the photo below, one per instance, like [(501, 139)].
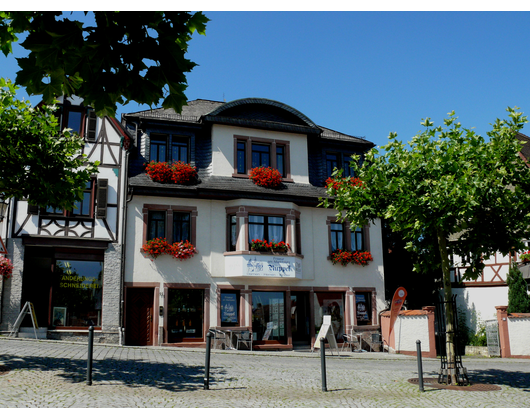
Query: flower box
[(344, 258), (158, 246), (166, 173), (266, 177), (264, 246), (335, 184), (525, 256)]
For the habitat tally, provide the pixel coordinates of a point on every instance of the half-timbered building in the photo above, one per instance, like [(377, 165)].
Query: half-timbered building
[(68, 264)]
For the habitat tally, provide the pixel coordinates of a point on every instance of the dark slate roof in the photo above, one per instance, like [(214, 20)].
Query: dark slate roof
[(525, 151), (226, 188), (255, 112)]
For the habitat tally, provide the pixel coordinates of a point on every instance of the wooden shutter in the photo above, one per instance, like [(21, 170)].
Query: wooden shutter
[(33, 209), (101, 196), (91, 126)]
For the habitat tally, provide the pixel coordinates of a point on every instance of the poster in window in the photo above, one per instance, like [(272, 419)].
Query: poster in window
[(59, 316), (362, 309), (333, 307), (229, 307)]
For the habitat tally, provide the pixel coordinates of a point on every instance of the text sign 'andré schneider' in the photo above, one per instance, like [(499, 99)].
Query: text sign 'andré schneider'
[(271, 266)]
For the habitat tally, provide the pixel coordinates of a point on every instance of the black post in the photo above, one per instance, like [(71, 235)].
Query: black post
[(420, 369), (323, 364), (90, 351), (207, 361)]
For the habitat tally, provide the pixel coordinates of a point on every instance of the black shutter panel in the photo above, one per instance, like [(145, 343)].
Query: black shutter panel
[(103, 186), (91, 126), (33, 209)]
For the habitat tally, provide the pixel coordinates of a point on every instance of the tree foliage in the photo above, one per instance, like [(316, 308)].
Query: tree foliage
[(449, 183), (127, 56), (37, 161), (518, 299)]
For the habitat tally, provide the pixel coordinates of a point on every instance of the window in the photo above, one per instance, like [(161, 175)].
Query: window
[(185, 315), (77, 293), (168, 148), (181, 227), (261, 155), (342, 237), (175, 223), (269, 228), (157, 225), (363, 308), (250, 152), (79, 119), (229, 308), (82, 208), (339, 161), (268, 316), (271, 224), (337, 236), (327, 303)]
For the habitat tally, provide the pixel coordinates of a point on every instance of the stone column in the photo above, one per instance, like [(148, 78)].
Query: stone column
[(504, 337)]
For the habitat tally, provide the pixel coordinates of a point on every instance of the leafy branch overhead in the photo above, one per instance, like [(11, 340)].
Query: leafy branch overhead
[(126, 56)]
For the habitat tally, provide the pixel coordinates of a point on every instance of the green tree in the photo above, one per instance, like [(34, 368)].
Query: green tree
[(518, 299), (126, 56), (37, 161), (472, 195)]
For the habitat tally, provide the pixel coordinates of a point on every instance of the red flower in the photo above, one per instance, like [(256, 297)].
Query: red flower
[(266, 177), (351, 257), (158, 246), (263, 245), (6, 267), (178, 172), (336, 184)]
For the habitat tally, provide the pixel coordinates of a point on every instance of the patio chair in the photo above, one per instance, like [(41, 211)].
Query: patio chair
[(218, 337), (349, 341), (244, 337), (377, 339)]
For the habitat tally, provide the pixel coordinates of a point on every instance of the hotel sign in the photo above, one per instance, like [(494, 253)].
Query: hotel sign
[(267, 266)]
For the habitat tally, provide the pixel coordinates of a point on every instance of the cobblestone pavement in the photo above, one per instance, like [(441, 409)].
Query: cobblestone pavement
[(47, 373)]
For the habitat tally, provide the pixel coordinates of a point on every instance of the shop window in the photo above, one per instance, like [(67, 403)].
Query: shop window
[(268, 316), (77, 293), (229, 308), (363, 308), (332, 304), (252, 152), (185, 315)]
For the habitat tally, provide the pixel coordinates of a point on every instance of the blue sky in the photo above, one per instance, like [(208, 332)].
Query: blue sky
[(363, 73)]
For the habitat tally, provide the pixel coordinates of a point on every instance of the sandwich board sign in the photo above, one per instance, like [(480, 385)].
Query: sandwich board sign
[(27, 309), (326, 331)]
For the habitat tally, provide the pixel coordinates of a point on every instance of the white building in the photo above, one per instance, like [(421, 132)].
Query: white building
[(281, 298)]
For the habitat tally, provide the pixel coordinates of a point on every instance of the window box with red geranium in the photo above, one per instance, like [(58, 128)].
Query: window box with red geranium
[(158, 246), (344, 258), (265, 246), (178, 173), (266, 177), (335, 184)]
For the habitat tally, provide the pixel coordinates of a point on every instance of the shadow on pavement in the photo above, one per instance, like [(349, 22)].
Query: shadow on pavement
[(516, 379)]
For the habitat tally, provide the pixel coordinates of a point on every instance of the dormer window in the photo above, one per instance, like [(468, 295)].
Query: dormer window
[(169, 148), (81, 120), (251, 152), (339, 161)]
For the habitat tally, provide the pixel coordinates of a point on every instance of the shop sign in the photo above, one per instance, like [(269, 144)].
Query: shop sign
[(271, 266), (362, 313), (228, 307)]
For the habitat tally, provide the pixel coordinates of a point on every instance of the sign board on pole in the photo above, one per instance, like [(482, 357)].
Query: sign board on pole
[(397, 303), (326, 331)]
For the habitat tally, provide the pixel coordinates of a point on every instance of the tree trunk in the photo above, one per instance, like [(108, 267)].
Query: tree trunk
[(449, 314)]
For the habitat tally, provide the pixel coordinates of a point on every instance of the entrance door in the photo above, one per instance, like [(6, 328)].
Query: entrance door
[(300, 318), (139, 318)]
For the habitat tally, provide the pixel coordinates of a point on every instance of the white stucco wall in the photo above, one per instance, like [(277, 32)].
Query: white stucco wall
[(408, 329), (480, 302), (519, 333)]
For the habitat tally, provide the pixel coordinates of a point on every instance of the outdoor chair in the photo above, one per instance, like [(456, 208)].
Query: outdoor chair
[(349, 341), (244, 337), (377, 339), (218, 337)]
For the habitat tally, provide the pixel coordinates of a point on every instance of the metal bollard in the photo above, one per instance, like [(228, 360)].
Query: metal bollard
[(90, 352), (209, 336), (323, 364), (420, 369)]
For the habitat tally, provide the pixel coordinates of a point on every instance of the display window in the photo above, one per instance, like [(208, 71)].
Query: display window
[(77, 293), (268, 316), (327, 303), (185, 315), (363, 308), (230, 308)]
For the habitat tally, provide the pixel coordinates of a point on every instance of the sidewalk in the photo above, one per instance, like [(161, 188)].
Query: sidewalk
[(48, 373)]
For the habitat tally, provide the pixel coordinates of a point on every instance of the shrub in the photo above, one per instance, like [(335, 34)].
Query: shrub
[(518, 299)]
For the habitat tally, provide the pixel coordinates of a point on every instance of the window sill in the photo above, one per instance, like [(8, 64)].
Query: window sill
[(287, 254), (245, 176)]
